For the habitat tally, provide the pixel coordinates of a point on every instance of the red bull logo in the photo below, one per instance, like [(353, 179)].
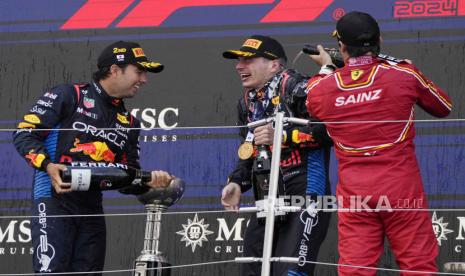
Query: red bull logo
[(98, 151), (35, 159)]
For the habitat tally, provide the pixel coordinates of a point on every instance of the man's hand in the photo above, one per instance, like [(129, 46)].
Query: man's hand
[(53, 171), (263, 135), (231, 196), (323, 58), (160, 179)]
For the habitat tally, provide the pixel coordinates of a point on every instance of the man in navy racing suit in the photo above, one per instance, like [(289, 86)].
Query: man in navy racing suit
[(82, 122), (304, 157)]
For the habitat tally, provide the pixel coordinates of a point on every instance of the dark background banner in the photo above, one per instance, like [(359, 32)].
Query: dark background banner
[(44, 43)]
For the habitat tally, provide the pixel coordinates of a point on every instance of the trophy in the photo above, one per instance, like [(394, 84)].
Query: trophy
[(152, 262)]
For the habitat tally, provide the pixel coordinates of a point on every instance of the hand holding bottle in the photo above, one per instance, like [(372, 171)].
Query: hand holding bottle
[(54, 170), (320, 56), (160, 179)]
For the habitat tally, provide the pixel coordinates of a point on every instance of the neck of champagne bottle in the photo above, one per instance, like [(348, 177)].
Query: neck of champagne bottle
[(144, 176)]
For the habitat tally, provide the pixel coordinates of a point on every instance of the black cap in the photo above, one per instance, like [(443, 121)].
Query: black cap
[(258, 45), (125, 52), (357, 29)]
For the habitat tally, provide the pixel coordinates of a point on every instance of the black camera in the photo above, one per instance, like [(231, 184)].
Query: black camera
[(336, 57), (260, 179)]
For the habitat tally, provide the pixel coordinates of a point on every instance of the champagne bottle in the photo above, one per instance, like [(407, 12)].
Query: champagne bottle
[(88, 176), (336, 57)]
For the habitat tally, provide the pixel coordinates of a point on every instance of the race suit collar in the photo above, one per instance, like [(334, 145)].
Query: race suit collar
[(360, 60), (104, 95)]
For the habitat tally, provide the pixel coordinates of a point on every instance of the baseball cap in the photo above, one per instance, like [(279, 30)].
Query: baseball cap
[(258, 45), (357, 29), (125, 52)]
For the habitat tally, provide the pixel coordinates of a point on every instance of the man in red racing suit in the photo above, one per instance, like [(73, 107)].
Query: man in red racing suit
[(377, 161)]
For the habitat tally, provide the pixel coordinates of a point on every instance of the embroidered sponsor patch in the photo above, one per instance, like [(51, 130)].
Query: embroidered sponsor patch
[(35, 159), (138, 52), (119, 50), (89, 103), (31, 118), (122, 118), (356, 74), (26, 125), (252, 43)]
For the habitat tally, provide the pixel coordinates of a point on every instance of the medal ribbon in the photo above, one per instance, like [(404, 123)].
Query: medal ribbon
[(261, 101)]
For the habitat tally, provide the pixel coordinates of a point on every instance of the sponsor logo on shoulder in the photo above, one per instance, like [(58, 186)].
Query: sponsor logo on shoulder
[(45, 103), (31, 118), (38, 110), (50, 95), (26, 125)]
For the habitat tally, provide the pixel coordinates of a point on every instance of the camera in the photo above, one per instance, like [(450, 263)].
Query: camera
[(336, 57), (260, 180)]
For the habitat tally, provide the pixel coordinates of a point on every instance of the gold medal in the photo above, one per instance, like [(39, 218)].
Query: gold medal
[(245, 151), (275, 100)]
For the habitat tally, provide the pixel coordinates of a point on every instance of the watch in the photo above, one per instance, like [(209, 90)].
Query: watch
[(327, 69)]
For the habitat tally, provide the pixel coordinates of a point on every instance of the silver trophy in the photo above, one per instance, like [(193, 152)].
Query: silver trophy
[(152, 262)]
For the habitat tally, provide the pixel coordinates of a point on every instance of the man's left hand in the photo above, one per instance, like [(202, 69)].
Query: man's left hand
[(263, 135)]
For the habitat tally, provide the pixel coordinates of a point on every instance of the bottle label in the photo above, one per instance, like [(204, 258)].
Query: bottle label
[(80, 179)]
